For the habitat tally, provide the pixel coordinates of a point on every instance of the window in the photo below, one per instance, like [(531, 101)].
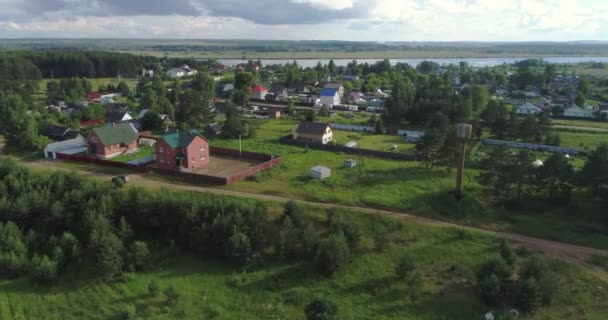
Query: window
[(94, 139), (202, 156), (160, 150), (202, 147)]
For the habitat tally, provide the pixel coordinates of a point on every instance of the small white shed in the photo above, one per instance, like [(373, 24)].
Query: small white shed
[(320, 172), (350, 163), (72, 146)]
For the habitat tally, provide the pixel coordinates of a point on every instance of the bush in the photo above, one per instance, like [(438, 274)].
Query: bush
[(129, 312), (415, 284), (507, 253), (533, 267), (528, 298), (332, 254), (381, 238), (172, 296), (351, 231), (491, 289), (405, 265), (44, 269), (321, 309), (153, 288), (138, 255), (494, 266), (548, 286)]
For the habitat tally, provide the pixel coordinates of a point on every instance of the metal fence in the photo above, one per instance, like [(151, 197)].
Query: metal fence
[(537, 147)]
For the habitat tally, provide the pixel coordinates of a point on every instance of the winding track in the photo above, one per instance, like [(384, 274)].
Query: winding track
[(575, 254)]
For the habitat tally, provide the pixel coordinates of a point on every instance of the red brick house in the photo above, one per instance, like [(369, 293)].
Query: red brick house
[(182, 151), (111, 141), (94, 96)]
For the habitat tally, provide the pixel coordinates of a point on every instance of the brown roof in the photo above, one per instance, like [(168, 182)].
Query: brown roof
[(307, 127)]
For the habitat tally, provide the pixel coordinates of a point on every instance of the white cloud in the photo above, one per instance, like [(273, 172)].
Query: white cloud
[(332, 5)]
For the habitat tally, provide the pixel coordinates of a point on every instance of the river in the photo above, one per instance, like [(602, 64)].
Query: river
[(475, 62)]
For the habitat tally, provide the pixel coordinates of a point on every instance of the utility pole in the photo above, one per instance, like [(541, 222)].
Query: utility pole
[(463, 132), (240, 147)]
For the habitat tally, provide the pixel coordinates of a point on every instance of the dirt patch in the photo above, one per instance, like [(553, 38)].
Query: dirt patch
[(223, 166)]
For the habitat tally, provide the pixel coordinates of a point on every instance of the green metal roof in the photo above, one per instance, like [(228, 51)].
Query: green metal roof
[(180, 139), (116, 134)]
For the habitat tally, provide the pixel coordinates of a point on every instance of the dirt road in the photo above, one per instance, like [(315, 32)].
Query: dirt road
[(578, 255)]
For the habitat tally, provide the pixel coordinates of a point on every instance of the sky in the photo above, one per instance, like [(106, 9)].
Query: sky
[(355, 20)]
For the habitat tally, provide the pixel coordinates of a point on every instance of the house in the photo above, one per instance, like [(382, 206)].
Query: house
[(71, 146), (528, 108), (113, 140), (297, 88), (350, 78), (320, 172), (314, 132), (182, 151), (213, 129), (335, 86), (119, 116), (355, 97), (578, 112), (259, 92), (181, 71), (228, 87), (280, 93), (350, 163), (94, 96), (502, 91), (149, 73), (58, 133), (330, 97)]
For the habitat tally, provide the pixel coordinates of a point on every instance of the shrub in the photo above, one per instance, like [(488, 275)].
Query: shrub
[(172, 296), (415, 284), (528, 297), (44, 269), (138, 255), (494, 266), (533, 267), (491, 289), (153, 288), (548, 286), (507, 253), (381, 238), (129, 312), (332, 253), (321, 309), (405, 265)]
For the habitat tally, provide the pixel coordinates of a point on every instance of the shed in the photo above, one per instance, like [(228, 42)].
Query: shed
[(320, 172), (72, 146), (352, 144), (350, 163)]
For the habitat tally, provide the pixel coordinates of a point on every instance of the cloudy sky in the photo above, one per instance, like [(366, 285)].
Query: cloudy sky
[(369, 20)]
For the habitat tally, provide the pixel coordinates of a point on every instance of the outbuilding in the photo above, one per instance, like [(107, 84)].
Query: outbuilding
[(350, 163), (320, 172), (72, 146)]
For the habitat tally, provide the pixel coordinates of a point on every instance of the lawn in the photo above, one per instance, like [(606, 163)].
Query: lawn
[(366, 288), (409, 186), (581, 140), (580, 123), (141, 153), (375, 142)]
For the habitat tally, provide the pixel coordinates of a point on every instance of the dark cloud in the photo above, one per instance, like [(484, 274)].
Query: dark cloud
[(258, 11)]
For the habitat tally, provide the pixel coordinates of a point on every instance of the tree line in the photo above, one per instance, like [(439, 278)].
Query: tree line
[(34, 65)]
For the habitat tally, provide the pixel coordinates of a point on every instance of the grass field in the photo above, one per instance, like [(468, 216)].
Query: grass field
[(366, 288), (374, 142), (582, 140), (141, 153), (409, 186), (580, 123)]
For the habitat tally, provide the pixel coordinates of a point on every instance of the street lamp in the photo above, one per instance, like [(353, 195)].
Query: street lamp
[(463, 132)]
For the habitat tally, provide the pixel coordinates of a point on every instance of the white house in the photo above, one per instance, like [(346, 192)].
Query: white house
[(72, 146), (320, 172), (182, 71), (330, 97), (578, 112), (335, 86), (528, 108), (314, 132)]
